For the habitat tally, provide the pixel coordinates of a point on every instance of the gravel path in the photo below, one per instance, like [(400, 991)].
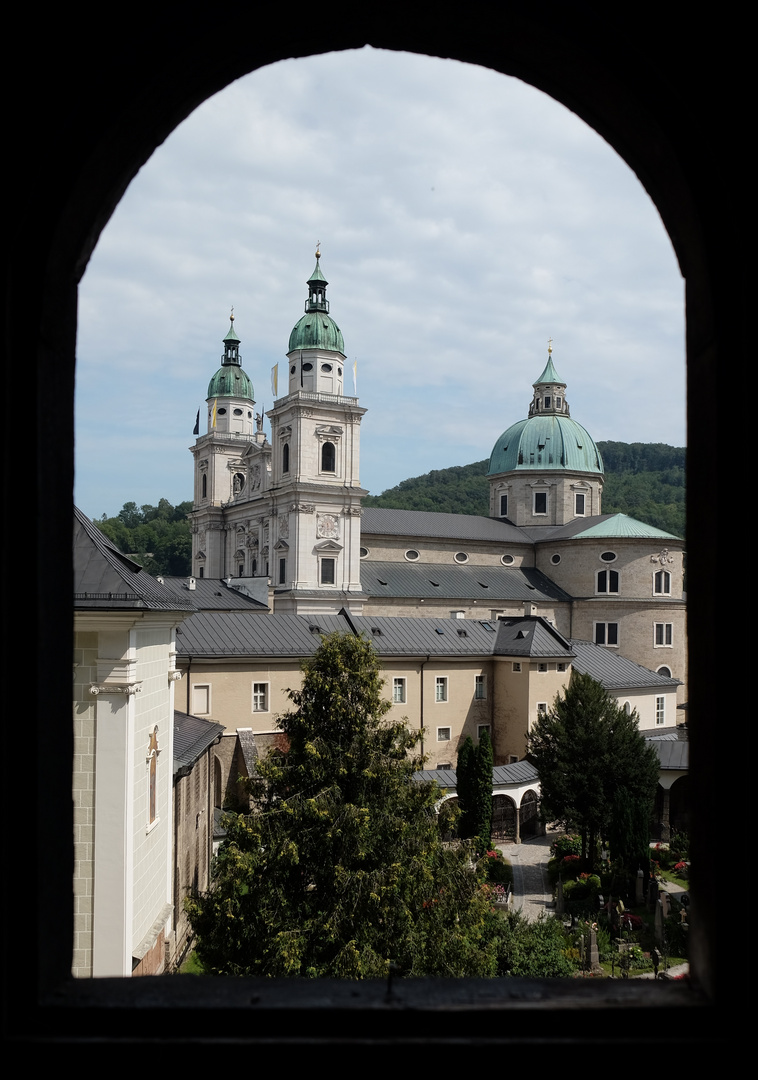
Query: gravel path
[(531, 887)]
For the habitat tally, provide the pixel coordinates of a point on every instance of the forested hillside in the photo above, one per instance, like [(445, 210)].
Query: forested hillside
[(157, 537), (644, 480)]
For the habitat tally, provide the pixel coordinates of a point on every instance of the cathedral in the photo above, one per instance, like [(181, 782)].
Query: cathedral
[(281, 519)]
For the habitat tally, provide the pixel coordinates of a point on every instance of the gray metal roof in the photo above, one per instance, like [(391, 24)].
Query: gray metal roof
[(672, 755), (192, 737), (490, 585), (394, 636), (616, 672), (378, 521), (530, 636), (213, 594), (519, 772), (106, 579), (245, 633)]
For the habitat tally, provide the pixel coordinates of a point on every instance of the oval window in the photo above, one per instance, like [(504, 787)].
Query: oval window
[(293, 369), (364, 552), (461, 557), (555, 559), (238, 412), (326, 367), (608, 556), (411, 555), (507, 560), (221, 412), (307, 367)]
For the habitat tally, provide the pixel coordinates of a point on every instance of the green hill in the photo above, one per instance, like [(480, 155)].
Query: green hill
[(644, 480)]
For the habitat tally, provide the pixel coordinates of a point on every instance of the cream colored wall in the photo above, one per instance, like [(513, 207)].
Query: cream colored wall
[(231, 698), (85, 674), (517, 695)]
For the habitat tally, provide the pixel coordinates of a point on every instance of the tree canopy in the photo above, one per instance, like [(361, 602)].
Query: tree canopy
[(474, 788), (597, 772), (157, 537), (339, 870)]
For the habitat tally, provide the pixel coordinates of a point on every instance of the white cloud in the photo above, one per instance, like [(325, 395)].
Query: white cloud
[(464, 218)]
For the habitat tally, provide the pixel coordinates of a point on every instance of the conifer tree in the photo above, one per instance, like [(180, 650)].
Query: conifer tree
[(340, 870), (593, 762)]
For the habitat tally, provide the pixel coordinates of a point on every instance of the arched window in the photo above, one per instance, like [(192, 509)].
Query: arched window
[(328, 457), (205, 485), (662, 583), (607, 581), (286, 458)]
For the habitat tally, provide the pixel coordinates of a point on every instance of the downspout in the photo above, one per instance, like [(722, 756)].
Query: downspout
[(189, 668), (421, 704)]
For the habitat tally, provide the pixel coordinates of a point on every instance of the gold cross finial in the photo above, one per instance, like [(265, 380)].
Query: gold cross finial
[(318, 249), (550, 345)]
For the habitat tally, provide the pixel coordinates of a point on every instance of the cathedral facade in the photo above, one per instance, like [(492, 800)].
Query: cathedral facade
[(282, 518)]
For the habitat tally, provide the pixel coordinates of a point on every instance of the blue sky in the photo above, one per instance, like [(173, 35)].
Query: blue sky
[(464, 219)]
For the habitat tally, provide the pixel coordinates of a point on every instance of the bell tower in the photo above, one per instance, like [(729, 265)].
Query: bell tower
[(315, 492), (221, 472)]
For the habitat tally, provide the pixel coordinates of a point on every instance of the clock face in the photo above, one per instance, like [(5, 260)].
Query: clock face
[(328, 525)]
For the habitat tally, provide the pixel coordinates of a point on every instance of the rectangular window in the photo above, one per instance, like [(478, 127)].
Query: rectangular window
[(607, 581), (282, 571), (541, 708), (579, 504), (398, 691), (443, 734), (541, 667), (480, 687), (660, 710), (560, 667), (503, 506), (201, 700), (457, 614), (328, 571), (516, 665), (440, 689), (443, 765), (260, 697), (540, 502), (664, 635), (481, 728), (607, 633)]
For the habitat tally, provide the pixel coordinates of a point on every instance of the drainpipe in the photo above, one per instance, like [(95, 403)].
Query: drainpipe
[(421, 704)]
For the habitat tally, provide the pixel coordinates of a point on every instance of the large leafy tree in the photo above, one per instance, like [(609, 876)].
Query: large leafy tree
[(340, 870), (597, 773)]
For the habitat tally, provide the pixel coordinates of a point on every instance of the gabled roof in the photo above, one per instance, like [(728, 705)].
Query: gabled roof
[(106, 579), (490, 585), (248, 749), (394, 636), (192, 737), (378, 521), (530, 636), (616, 672)]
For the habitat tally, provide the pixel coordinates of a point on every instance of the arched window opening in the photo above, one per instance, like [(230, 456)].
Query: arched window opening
[(328, 457)]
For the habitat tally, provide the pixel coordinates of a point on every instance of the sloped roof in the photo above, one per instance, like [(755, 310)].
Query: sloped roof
[(106, 579), (530, 636), (192, 737), (618, 526), (672, 755), (379, 521), (488, 584), (213, 594), (393, 636), (519, 772), (616, 672), (246, 633), (246, 740)]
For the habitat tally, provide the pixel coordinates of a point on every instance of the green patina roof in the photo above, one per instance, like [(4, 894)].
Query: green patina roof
[(232, 335), (620, 525), (230, 381), (549, 375), (317, 275), (316, 330), (545, 443)]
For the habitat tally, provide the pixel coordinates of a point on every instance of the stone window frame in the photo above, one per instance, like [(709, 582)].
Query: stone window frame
[(441, 736), (201, 686), (665, 632), (441, 689), (664, 576), (607, 575), (480, 688), (606, 633), (399, 690), (660, 710)]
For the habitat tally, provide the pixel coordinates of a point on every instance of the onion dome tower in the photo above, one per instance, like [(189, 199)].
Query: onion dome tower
[(546, 469)]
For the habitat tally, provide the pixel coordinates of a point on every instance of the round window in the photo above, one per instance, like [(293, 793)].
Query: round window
[(326, 367), (608, 556), (221, 412), (307, 367), (507, 560), (555, 559), (411, 555), (364, 552), (238, 412), (461, 557), (293, 369)]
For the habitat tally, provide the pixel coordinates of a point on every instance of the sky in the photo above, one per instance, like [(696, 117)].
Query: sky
[(464, 219)]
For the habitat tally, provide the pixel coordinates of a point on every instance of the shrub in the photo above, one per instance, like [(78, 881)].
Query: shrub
[(566, 845)]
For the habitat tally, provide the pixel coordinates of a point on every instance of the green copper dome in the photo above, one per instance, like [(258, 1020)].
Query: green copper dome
[(230, 380), (546, 442), (317, 329)]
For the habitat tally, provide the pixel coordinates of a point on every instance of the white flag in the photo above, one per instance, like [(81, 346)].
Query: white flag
[(275, 380)]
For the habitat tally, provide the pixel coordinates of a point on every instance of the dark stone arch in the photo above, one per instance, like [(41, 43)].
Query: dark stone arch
[(95, 118)]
